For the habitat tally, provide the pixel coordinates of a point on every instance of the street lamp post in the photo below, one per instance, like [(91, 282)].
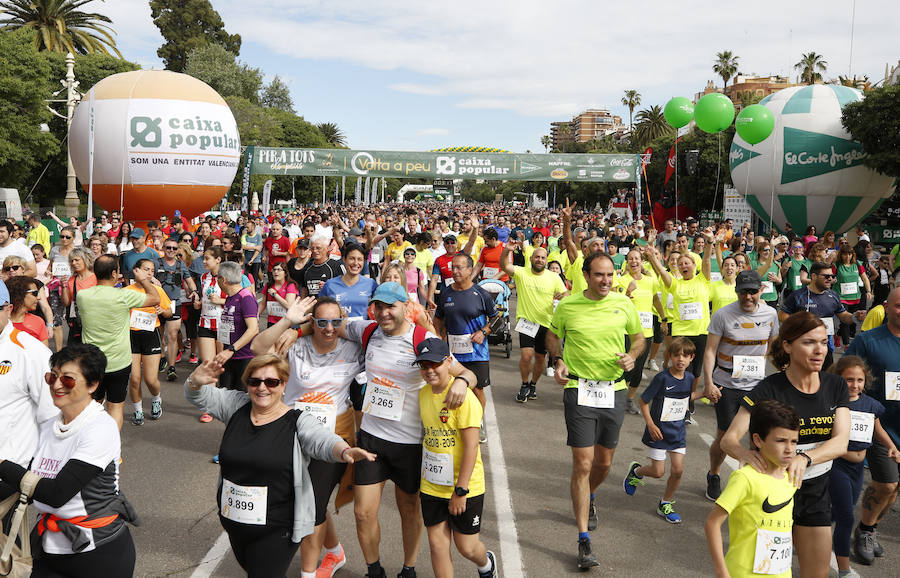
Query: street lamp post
[(72, 98)]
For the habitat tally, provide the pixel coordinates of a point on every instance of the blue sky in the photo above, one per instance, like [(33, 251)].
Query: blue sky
[(402, 75)]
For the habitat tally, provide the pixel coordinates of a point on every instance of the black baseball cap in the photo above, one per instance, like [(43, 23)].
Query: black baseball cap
[(432, 349), (747, 280)]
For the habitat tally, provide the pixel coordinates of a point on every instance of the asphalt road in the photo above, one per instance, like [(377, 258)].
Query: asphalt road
[(168, 476)]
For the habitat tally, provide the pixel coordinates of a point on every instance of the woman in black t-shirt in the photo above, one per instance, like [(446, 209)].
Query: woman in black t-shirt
[(821, 400)]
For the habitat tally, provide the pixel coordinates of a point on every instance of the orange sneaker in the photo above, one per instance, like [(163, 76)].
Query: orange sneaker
[(331, 563)]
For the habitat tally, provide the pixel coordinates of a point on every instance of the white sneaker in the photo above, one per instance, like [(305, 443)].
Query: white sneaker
[(653, 366)]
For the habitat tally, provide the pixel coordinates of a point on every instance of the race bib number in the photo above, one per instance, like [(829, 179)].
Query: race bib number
[(892, 385), (884, 277), (448, 281), (325, 413), (211, 310), (815, 470), (598, 394), (384, 402), (437, 468), (224, 329), (61, 269), (674, 409), (768, 287), (797, 281), (646, 319), (715, 276), (461, 344), (748, 367), (529, 328), (862, 426), (413, 297), (142, 321), (275, 309), (773, 552), (244, 504), (850, 288), (375, 259), (489, 272), (624, 250), (690, 311), (829, 325)]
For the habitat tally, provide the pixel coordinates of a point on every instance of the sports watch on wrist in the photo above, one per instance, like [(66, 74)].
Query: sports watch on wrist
[(460, 491), (229, 347)]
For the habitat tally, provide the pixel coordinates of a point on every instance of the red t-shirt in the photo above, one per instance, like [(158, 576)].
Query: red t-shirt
[(490, 259), (443, 264), (34, 326), (282, 243)]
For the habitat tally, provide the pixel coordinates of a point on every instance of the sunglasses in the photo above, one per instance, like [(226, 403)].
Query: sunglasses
[(11, 268), (430, 364), (65, 236), (747, 291), (323, 323), (827, 275), (67, 381), (33, 292), (271, 382), (171, 248)]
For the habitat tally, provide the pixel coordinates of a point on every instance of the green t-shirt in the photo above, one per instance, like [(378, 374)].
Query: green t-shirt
[(105, 319), (535, 294), (793, 274), (589, 352), (575, 274), (769, 293)]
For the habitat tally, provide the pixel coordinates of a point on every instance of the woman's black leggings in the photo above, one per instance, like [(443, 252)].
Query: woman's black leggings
[(115, 559), (845, 485), (262, 552)]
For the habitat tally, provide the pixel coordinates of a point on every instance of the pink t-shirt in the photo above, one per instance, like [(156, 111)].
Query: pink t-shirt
[(283, 292)]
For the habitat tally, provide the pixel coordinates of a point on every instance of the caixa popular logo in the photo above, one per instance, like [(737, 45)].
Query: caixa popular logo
[(177, 133), (623, 162)]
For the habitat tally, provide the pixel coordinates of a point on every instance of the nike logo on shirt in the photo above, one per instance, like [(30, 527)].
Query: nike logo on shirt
[(771, 509), (668, 387)]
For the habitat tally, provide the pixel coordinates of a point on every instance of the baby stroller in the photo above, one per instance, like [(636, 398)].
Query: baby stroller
[(500, 330)]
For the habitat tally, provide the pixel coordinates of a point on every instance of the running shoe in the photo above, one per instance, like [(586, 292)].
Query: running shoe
[(193, 359), (592, 517), (631, 408), (653, 366), (713, 486), (492, 573), (585, 557), (178, 357), (206, 418), (667, 511), (407, 573), (522, 396), (171, 375), (137, 418), (632, 480), (877, 549), (155, 409), (163, 364), (331, 563), (532, 391), (215, 459), (864, 547)]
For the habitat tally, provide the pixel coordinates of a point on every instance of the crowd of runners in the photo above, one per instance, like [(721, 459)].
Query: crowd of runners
[(347, 346)]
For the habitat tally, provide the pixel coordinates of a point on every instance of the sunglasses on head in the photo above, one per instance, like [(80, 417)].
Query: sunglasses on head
[(67, 381), (11, 268), (33, 292), (323, 323), (271, 382)]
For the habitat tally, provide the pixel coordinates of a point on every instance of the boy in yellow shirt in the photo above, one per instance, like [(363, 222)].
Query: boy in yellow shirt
[(452, 486)]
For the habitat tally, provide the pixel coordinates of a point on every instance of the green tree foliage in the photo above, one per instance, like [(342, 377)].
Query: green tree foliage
[(187, 25), (725, 65), (811, 67), (60, 25), (545, 142), (219, 68), (631, 99), (333, 134), (277, 95), (24, 83), (875, 122), (651, 125)]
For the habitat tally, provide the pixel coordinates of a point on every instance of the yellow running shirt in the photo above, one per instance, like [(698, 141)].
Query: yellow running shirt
[(461, 241), (642, 297), (443, 438), (691, 304), (594, 332), (721, 295), (758, 506), (535, 294)]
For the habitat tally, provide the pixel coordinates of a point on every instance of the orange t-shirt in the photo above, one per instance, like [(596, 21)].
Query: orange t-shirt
[(490, 259)]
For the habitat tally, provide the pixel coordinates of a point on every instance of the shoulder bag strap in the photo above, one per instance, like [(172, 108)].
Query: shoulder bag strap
[(27, 485)]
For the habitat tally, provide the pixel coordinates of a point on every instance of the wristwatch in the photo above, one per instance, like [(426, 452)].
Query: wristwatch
[(809, 460), (229, 347), (460, 491)]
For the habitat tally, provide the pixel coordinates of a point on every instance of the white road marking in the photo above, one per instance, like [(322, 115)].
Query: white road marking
[(511, 556), (213, 558), (729, 461)]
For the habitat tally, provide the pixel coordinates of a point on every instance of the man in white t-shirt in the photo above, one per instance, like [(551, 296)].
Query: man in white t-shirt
[(24, 397), (9, 246), (391, 423)]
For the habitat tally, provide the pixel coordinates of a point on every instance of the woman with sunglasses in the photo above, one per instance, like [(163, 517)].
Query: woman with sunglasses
[(81, 264), (795, 270), (176, 281), (61, 271), (852, 286), (82, 529), (770, 273), (23, 295), (821, 400), (266, 497)]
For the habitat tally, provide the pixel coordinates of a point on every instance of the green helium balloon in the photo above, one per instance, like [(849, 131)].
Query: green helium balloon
[(679, 111), (714, 112), (755, 123)]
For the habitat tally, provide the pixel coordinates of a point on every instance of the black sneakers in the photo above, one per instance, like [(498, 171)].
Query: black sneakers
[(522, 396), (713, 486), (585, 557), (864, 547)]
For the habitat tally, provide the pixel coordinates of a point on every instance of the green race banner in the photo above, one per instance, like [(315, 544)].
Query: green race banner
[(445, 165)]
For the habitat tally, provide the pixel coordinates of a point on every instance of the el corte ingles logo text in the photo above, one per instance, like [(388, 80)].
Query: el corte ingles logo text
[(810, 154)]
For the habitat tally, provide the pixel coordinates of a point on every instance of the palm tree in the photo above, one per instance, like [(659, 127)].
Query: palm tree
[(332, 134), (809, 64), (726, 65), (60, 26), (545, 142), (651, 125), (861, 83), (631, 99)]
